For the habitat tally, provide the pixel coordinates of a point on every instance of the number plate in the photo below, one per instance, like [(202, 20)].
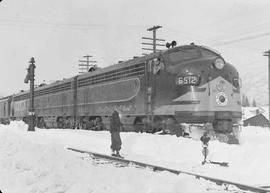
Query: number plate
[(187, 80)]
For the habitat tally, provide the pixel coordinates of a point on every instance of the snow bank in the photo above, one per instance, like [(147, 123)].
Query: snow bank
[(35, 162)]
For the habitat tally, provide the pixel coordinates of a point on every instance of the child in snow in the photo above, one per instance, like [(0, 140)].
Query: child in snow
[(205, 140)]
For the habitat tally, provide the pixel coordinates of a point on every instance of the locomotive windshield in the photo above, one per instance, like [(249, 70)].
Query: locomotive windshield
[(208, 53), (183, 53)]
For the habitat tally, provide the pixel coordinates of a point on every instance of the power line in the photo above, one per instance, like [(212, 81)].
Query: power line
[(12, 21), (243, 39), (59, 25)]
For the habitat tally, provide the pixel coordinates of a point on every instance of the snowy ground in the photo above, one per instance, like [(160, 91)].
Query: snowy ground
[(35, 162)]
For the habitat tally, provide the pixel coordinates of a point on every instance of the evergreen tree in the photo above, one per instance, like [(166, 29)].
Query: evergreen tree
[(243, 100), (254, 104), (244, 103), (247, 102)]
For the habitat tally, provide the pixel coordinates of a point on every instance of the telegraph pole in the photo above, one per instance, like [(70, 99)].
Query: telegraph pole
[(149, 103), (85, 65), (154, 29), (267, 53), (31, 76), (154, 40)]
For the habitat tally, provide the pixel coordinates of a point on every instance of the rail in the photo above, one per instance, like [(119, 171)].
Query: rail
[(160, 168)]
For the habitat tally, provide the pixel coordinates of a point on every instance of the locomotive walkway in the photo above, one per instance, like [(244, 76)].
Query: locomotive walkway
[(160, 168)]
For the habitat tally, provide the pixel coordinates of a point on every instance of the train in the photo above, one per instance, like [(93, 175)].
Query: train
[(162, 91)]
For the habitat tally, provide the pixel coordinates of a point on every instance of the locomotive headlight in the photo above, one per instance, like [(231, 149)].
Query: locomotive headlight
[(221, 85), (219, 63), (221, 99)]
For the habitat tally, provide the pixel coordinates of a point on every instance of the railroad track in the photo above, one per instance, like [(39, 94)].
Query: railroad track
[(160, 168)]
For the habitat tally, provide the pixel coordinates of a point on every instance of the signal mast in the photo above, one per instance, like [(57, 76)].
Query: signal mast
[(31, 76)]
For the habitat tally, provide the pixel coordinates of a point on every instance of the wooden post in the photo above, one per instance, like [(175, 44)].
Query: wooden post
[(267, 53)]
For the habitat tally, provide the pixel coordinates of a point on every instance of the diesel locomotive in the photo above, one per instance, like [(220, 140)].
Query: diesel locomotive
[(183, 85)]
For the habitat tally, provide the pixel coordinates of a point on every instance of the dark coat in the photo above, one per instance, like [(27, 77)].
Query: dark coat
[(115, 123), (205, 139), (116, 141)]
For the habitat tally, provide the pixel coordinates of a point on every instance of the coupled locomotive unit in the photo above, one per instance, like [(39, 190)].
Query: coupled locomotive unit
[(187, 84)]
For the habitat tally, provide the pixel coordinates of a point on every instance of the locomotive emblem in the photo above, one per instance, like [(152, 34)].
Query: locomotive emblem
[(221, 99)]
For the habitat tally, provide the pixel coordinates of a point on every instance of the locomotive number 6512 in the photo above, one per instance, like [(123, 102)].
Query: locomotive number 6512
[(187, 80)]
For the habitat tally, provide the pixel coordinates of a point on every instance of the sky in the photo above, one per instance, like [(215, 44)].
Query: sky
[(40, 162), (59, 33)]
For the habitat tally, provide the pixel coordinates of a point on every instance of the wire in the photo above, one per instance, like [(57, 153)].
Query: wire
[(242, 39), (49, 24)]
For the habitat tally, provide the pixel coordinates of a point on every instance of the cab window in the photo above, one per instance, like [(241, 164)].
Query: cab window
[(183, 54)]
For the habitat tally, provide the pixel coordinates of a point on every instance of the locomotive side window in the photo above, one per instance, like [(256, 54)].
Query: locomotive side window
[(183, 54)]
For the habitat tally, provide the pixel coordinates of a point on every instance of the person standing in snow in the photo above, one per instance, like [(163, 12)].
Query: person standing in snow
[(205, 140), (115, 126)]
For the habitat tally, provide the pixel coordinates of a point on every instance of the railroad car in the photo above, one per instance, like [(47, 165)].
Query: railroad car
[(187, 84), (5, 109)]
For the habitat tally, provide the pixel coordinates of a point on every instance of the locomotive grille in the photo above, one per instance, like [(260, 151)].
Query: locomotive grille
[(54, 89), (50, 90), (130, 71)]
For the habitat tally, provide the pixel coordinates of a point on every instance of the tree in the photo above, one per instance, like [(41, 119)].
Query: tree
[(254, 104), (245, 101)]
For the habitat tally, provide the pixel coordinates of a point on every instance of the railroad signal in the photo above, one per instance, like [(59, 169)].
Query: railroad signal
[(30, 71), (31, 111), (27, 78)]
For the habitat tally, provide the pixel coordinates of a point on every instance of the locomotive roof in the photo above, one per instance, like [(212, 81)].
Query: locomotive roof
[(55, 83), (130, 62), (121, 65), (45, 86), (4, 98), (140, 60)]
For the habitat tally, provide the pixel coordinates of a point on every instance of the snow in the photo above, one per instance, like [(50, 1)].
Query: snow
[(35, 162), (265, 112), (249, 112)]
